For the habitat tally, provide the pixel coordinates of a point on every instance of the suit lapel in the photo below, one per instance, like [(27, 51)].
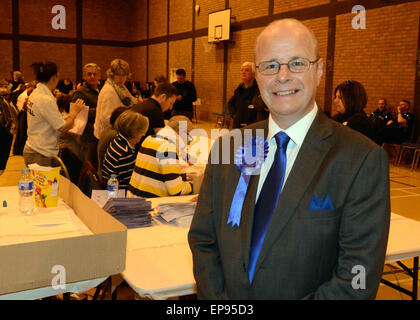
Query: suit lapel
[(309, 159)]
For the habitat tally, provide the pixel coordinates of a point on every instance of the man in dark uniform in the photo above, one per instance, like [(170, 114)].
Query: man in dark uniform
[(399, 130), (380, 117)]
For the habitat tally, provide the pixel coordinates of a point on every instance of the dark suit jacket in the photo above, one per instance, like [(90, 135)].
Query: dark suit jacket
[(306, 253)]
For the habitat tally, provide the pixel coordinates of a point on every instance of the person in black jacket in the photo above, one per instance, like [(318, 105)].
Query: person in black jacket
[(246, 105), (399, 129), (350, 100), (381, 117), (186, 95), (89, 92)]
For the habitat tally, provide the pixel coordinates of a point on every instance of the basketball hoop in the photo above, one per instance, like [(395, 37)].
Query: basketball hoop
[(219, 26)]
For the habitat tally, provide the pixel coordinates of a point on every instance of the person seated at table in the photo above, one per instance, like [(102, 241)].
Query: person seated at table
[(350, 100), (108, 135), (381, 117), (121, 154), (157, 171), (399, 130)]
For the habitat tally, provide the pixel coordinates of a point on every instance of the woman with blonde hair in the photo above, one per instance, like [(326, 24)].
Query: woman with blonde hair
[(121, 153), (113, 94)]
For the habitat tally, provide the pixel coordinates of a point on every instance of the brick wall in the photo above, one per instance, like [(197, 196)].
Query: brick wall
[(180, 16), (64, 55), (383, 56), (320, 28), (35, 18), (139, 64), (107, 20), (180, 55), (139, 20), (6, 61), (248, 9), (208, 78), (6, 16), (158, 15), (103, 56), (157, 60), (290, 5)]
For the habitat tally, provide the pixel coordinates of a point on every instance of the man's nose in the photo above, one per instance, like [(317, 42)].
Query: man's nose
[(284, 73)]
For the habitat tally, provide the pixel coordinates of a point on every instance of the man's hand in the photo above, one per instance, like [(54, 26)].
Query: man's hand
[(179, 97)]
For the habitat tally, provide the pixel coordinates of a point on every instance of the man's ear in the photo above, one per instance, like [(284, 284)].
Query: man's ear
[(320, 69)]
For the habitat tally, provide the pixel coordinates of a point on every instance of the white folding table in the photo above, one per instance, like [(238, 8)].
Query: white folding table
[(159, 260), (404, 243)]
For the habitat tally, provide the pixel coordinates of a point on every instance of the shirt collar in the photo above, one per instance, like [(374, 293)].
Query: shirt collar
[(297, 132), (126, 140), (44, 89)]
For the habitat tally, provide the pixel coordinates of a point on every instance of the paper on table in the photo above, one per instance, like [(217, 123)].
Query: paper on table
[(101, 196), (172, 211), (45, 224)]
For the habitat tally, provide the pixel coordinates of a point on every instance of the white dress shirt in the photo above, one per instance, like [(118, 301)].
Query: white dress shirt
[(297, 133)]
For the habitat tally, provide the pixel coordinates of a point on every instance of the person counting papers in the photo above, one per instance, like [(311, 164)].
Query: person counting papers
[(157, 170)]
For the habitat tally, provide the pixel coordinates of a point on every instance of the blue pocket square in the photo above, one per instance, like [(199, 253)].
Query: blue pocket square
[(320, 204)]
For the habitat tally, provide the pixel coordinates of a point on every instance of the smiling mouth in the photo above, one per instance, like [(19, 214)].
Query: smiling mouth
[(285, 93)]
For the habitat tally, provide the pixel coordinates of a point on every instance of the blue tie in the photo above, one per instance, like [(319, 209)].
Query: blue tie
[(267, 200)]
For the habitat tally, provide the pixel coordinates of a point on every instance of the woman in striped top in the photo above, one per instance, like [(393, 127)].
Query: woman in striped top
[(157, 172), (121, 154)]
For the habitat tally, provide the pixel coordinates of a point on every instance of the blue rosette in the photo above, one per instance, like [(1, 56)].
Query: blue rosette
[(249, 159)]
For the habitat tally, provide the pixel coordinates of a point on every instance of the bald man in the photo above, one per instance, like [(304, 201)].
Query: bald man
[(319, 234), (246, 105)]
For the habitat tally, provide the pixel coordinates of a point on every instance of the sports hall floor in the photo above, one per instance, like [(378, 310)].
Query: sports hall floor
[(405, 201)]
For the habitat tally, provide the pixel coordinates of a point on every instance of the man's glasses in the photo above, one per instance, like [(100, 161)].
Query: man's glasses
[(297, 65)]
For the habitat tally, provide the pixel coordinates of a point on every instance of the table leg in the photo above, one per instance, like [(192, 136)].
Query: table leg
[(415, 277)]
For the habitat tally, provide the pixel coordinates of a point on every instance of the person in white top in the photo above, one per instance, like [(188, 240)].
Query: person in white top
[(44, 118), (114, 94)]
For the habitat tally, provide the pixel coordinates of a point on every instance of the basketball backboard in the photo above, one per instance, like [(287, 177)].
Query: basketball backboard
[(219, 26)]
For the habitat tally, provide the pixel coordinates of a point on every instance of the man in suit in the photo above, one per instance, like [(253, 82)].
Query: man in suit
[(326, 237)]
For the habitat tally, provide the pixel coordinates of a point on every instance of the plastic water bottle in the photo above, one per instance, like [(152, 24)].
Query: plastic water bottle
[(112, 186), (26, 193)]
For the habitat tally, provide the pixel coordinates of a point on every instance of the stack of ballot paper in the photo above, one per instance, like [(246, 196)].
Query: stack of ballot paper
[(132, 212), (177, 213)]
